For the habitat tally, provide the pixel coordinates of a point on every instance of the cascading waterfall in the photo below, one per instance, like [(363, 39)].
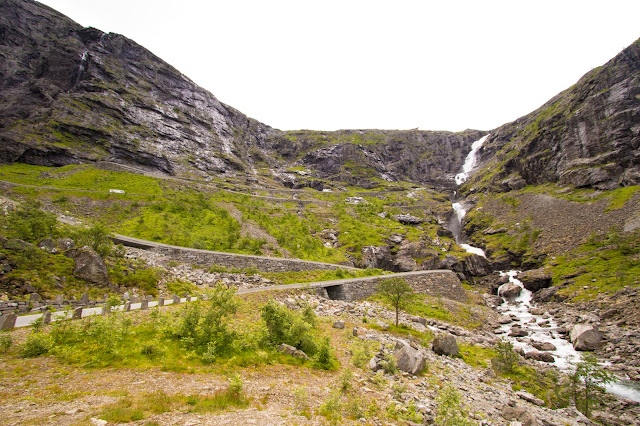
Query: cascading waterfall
[(539, 328)]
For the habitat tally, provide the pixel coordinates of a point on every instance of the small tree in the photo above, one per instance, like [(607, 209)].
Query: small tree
[(593, 379), (397, 292), (506, 358)]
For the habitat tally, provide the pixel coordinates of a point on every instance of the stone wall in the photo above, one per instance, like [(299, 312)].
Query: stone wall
[(440, 283), (229, 260)]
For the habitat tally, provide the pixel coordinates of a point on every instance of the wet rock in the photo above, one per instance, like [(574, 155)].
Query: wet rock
[(510, 291), (536, 279), (539, 356), (544, 346), (445, 344), (585, 337), (410, 360)]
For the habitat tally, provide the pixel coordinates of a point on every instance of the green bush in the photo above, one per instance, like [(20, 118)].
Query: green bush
[(97, 237), (30, 223), (287, 326), (36, 344), (450, 411), (506, 358), (5, 342)]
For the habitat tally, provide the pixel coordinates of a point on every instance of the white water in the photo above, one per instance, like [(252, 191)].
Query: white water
[(540, 328), (470, 161)]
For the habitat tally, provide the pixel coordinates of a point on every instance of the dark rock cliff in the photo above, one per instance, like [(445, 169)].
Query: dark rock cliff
[(70, 94), (586, 136)]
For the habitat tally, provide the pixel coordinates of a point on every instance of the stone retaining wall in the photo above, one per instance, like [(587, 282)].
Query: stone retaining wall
[(441, 283), (229, 260)]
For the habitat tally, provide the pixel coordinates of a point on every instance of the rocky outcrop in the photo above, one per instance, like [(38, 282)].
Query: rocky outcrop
[(586, 136)]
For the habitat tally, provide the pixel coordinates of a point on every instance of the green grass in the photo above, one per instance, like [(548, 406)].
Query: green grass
[(604, 265), (318, 275), (476, 356)]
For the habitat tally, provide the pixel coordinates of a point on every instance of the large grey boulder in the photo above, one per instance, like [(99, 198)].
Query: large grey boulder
[(509, 291), (585, 337), (410, 360), (89, 265), (445, 344), (536, 279)]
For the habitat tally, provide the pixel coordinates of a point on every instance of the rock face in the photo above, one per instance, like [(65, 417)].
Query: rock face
[(586, 136), (445, 344), (89, 265), (72, 94), (585, 337), (536, 279)]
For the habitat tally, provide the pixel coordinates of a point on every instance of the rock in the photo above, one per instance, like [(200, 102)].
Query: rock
[(530, 398), (509, 291), (287, 349), (410, 360), (545, 295), (8, 321), (89, 265), (520, 415), (544, 346), (98, 422), (445, 344), (34, 298), (585, 337), (65, 243), (383, 325), (407, 219), (539, 356), (48, 245), (536, 279), (505, 319), (15, 244), (338, 324)]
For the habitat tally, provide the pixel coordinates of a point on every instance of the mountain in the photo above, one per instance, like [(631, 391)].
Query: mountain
[(73, 95), (587, 136)]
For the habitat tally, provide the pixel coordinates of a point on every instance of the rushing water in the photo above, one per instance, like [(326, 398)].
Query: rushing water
[(540, 328)]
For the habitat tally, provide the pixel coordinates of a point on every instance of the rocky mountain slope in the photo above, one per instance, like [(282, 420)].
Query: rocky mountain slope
[(586, 136)]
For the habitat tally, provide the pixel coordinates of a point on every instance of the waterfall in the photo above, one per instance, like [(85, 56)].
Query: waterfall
[(455, 225)]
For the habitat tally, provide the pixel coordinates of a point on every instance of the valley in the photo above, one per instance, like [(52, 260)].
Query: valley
[(122, 180)]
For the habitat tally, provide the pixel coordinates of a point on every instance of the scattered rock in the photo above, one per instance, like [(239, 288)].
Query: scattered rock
[(530, 398)]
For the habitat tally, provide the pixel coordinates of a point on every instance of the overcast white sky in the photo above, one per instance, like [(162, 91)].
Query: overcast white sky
[(327, 65)]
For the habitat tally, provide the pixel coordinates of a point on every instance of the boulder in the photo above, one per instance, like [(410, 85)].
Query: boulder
[(290, 350), (338, 324), (48, 245), (410, 360), (445, 344), (407, 219), (585, 337), (544, 346), (520, 415), (509, 291), (530, 398), (536, 279), (545, 295), (89, 265)]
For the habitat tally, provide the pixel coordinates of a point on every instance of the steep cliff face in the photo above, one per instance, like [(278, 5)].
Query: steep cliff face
[(364, 157), (586, 136), (71, 94)]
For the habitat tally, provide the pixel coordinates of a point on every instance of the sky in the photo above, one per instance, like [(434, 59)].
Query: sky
[(364, 64)]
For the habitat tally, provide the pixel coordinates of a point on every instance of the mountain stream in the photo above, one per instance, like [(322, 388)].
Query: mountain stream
[(525, 328)]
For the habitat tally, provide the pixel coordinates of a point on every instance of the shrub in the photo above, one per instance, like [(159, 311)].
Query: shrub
[(450, 412), (5, 342), (506, 358), (360, 353), (96, 237), (287, 326), (36, 344), (28, 222)]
